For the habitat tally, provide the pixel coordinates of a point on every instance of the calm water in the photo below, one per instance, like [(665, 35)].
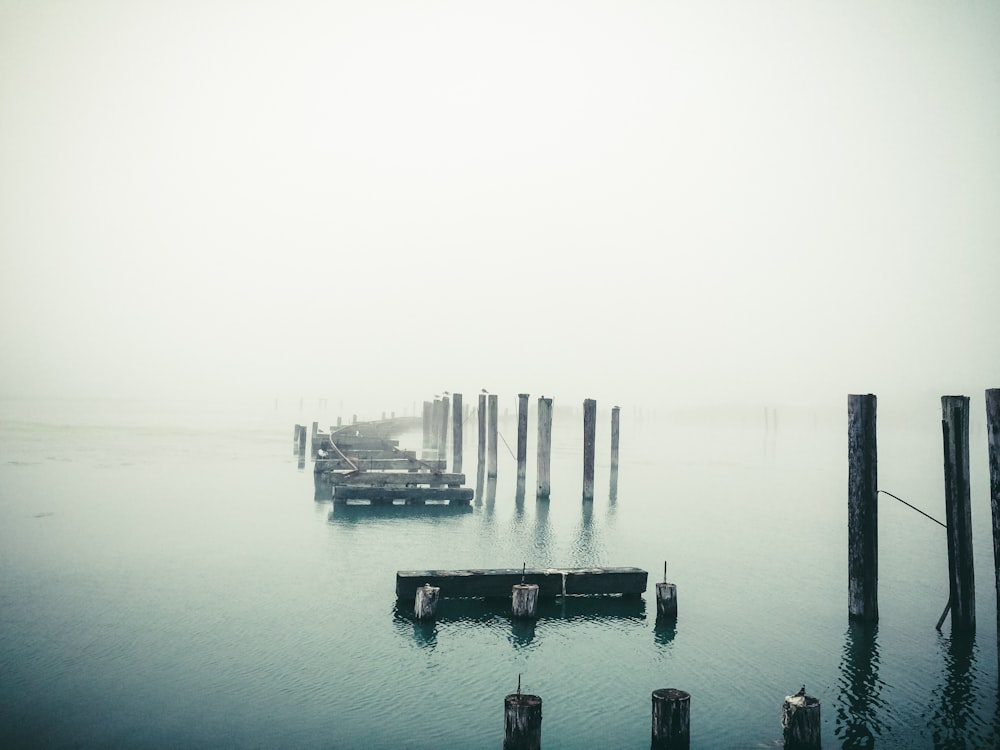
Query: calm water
[(170, 580)]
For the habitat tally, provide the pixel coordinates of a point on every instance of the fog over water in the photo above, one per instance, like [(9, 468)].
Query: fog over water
[(372, 201)]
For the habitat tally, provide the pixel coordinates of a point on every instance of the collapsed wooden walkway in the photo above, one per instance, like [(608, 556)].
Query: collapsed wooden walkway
[(497, 582), (362, 464)]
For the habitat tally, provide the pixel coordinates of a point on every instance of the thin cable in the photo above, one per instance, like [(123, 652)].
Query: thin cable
[(914, 508)]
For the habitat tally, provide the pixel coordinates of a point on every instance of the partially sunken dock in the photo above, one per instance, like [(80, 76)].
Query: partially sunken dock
[(497, 583)]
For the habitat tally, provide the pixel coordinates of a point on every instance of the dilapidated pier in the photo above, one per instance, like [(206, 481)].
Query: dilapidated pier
[(498, 582)]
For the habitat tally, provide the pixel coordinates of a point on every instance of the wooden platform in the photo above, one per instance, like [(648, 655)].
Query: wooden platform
[(497, 582)]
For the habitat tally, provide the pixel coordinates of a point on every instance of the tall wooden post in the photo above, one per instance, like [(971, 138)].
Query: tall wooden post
[(522, 722), (958, 511), (443, 430), (589, 435), (522, 436), (544, 446), (482, 430), (428, 424), (862, 508), (615, 421), (491, 458), (671, 719), (993, 438), (456, 433)]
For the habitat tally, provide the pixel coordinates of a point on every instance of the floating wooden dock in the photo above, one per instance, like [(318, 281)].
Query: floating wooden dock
[(498, 582), (359, 463)]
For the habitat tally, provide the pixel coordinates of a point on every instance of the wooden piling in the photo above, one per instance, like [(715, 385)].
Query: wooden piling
[(428, 424), (800, 721), (522, 436), (589, 435), (958, 511), (443, 429), (666, 600), (993, 439), (456, 433), (425, 602), (340, 421), (615, 423), (436, 423), (491, 459), (671, 719), (302, 439), (524, 600), (544, 447), (482, 430), (862, 508), (522, 722)]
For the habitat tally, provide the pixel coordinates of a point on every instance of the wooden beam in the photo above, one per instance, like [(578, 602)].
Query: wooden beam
[(388, 494), (395, 478), (378, 464), (498, 582)]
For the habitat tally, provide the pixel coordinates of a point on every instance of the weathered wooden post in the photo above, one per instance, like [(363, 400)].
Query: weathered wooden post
[(295, 439), (544, 446), (302, 439), (456, 433), (862, 508), (615, 422), (482, 430), (666, 598), (671, 719), (436, 423), (428, 424), (425, 602), (354, 419), (491, 465), (589, 434), (522, 437), (339, 421), (800, 721), (443, 430), (524, 600), (993, 438), (958, 511), (522, 721)]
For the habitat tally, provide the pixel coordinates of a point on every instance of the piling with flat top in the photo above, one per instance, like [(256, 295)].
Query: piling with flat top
[(800, 721), (958, 511), (666, 600), (993, 438), (456, 433), (671, 719), (589, 435), (522, 722), (302, 439), (522, 435), (425, 602), (443, 429), (524, 600), (491, 462), (428, 424), (615, 421), (482, 431), (862, 508), (544, 446)]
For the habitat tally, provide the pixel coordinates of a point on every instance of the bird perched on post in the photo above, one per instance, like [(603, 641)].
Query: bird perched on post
[(801, 693)]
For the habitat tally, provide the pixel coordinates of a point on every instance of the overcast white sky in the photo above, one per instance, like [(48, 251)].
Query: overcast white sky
[(606, 199)]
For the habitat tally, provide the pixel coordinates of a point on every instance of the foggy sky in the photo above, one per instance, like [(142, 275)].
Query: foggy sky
[(582, 199)]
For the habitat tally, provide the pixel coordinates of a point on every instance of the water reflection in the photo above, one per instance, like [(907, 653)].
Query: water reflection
[(486, 612), (522, 632), (954, 721), (665, 631), (354, 514), (587, 547), (860, 707)]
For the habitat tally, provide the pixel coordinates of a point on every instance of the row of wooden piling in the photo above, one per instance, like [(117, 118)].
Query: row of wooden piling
[(435, 436), (863, 506), (671, 721)]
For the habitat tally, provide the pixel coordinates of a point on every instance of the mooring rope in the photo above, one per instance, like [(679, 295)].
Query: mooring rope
[(914, 508), (505, 443)]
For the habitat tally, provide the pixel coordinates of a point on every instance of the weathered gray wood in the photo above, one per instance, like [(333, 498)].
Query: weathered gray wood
[(428, 423), (425, 602), (395, 478), (522, 722), (361, 442), (456, 432), (491, 459), (377, 464), (589, 436), (993, 439), (671, 727), (482, 431), (958, 511), (389, 494), (522, 436), (862, 508), (615, 431), (666, 600), (443, 428), (524, 600), (498, 583), (544, 447), (800, 722)]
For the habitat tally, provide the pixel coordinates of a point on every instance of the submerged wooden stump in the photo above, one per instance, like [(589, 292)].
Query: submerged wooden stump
[(800, 721), (522, 722), (671, 719), (426, 601), (524, 600), (666, 600)]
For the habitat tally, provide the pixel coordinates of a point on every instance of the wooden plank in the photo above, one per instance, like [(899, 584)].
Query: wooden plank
[(388, 494), (396, 478), (323, 465), (352, 442), (498, 582)]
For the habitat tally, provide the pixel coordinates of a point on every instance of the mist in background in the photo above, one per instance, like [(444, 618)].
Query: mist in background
[(368, 201)]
